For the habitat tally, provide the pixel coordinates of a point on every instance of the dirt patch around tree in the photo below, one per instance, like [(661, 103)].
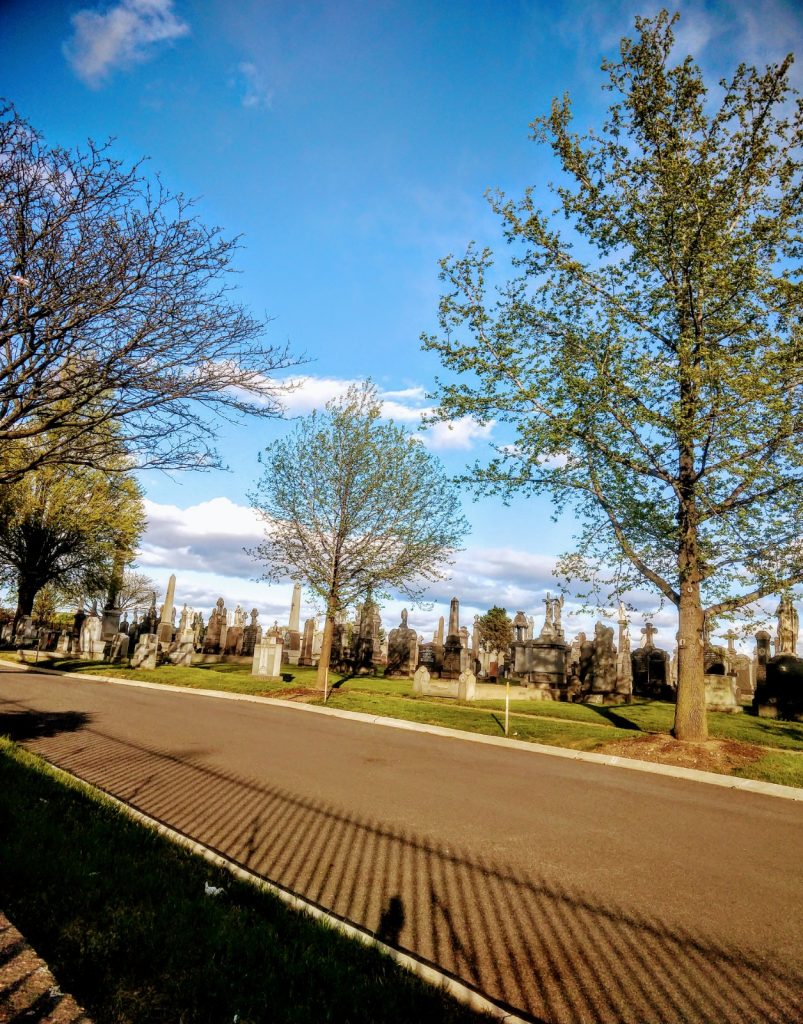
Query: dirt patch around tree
[(296, 693), (721, 756)]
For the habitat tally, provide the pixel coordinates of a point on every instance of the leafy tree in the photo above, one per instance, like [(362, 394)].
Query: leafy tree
[(66, 529), (44, 606), (114, 308), (652, 372), (496, 629), (354, 505)]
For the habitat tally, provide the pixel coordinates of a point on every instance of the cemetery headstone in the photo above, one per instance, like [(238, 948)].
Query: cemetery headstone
[(402, 649)]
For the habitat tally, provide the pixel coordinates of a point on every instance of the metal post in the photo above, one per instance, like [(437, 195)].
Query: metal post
[(507, 705)]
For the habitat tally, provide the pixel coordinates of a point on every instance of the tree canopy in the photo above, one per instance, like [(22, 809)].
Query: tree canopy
[(496, 629), (648, 351), (115, 307), (354, 505), (68, 529)]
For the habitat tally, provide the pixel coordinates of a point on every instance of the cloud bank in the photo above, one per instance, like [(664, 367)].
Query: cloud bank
[(204, 546)]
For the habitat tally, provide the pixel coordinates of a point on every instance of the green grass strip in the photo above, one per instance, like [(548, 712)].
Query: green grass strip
[(120, 914)]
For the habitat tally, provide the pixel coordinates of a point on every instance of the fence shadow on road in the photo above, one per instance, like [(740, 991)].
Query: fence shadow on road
[(529, 941)]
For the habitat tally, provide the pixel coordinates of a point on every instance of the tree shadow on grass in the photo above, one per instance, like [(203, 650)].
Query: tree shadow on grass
[(615, 719)]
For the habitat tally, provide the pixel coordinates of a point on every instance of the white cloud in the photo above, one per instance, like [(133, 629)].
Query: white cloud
[(403, 406), (313, 393), (208, 537), (459, 434), (119, 37), (255, 94), (414, 394), (400, 413)]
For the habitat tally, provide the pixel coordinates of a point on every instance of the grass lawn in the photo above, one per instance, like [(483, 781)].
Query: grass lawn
[(578, 726), (121, 916)]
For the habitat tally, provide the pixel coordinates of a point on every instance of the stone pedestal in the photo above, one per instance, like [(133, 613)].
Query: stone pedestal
[(292, 648), (456, 658), (164, 633), (268, 658), (541, 662), (110, 624)]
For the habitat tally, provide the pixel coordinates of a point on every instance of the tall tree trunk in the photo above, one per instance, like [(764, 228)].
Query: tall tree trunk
[(690, 712), (26, 595), (691, 723)]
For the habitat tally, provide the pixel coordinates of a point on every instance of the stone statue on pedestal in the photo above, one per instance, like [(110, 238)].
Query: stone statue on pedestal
[(788, 627)]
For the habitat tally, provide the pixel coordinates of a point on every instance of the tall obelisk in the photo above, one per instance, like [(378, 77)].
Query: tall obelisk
[(165, 631)]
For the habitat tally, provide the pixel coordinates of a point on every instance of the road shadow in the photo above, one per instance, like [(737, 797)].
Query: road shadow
[(29, 725), (542, 948)]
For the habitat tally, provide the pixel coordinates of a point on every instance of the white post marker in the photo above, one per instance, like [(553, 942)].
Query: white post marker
[(507, 705)]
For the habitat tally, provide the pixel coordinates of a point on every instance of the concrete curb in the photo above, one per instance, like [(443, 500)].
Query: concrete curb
[(426, 972), (671, 771)]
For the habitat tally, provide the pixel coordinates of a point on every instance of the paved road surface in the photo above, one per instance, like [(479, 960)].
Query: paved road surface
[(571, 891)]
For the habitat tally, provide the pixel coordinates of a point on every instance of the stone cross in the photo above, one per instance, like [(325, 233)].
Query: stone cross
[(648, 632), (731, 636)]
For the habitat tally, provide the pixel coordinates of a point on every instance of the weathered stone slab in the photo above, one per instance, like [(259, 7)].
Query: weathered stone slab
[(268, 658), (722, 693)]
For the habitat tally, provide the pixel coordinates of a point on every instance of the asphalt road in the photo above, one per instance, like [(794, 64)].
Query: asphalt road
[(566, 890)]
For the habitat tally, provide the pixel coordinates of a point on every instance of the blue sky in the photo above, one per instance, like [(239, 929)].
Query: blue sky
[(350, 144)]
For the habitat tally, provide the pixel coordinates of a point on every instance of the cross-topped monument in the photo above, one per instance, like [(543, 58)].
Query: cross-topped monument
[(648, 632)]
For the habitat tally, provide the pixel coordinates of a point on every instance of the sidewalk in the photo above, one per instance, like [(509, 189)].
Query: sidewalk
[(28, 991)]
